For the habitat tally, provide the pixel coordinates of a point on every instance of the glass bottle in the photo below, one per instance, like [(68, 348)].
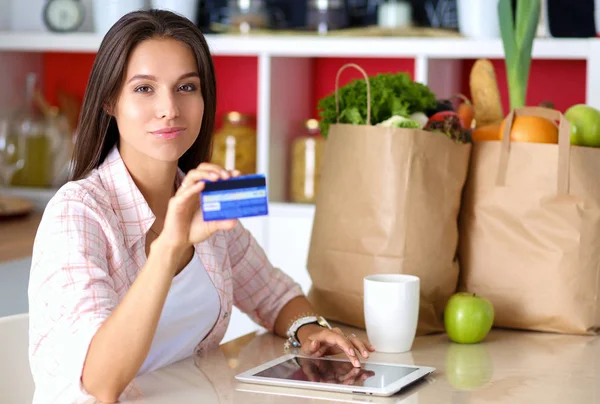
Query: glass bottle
[(234, 145), (307, 151), (29, 125)]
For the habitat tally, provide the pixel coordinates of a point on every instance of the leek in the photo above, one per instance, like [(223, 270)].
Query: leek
[(517, 40)]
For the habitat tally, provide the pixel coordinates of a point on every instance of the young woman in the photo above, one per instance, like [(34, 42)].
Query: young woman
[(126, 276)]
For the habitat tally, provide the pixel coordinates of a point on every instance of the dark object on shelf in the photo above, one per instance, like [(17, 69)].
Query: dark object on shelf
[(572, 19), (435, 13), (286, 14), (281, 14), (326, 16), (211, 12), (362, 13), (292, 14)]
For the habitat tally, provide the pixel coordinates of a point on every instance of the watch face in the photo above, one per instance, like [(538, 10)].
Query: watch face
[(63, 15)]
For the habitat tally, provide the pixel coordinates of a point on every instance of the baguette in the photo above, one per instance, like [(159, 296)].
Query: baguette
[(485, 94)]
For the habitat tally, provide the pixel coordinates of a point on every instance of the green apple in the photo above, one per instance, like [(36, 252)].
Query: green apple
[(585, 125), (468, 367), (468, 318)]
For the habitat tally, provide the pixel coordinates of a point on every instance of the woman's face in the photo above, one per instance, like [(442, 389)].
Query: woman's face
[(160, 106)]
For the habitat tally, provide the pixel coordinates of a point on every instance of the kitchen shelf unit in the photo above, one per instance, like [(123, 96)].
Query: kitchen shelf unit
[(284, 69), (285, 98)]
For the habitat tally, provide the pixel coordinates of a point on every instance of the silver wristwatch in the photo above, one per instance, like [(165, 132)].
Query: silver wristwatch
[(292, 332)]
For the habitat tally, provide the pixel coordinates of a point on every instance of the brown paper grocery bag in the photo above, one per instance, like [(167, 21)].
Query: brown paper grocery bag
[(530, 231), (388, 203)]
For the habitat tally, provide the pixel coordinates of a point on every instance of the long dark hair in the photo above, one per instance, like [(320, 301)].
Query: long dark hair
[(97, 130)]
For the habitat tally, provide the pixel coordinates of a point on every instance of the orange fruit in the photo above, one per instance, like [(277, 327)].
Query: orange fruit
[(486, 132), (532, 129)]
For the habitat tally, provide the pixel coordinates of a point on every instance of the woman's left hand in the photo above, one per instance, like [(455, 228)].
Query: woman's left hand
[(318, 341), (184, 224)]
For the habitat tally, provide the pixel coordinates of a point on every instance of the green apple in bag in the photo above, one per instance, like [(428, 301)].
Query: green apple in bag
[(585, 125)]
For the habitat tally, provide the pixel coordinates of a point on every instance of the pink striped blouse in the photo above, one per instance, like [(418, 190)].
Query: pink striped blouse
[(88, 250)]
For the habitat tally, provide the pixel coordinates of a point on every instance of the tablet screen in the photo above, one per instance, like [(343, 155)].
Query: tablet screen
[(336, 372)]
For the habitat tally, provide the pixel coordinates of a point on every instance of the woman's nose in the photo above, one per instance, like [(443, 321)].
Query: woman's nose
[(167, 107)]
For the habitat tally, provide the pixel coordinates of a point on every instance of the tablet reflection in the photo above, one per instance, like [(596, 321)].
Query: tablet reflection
[(327, 371), (332, 371)]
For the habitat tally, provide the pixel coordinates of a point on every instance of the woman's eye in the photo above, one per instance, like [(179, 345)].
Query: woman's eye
[(143, 89), (187, 88)]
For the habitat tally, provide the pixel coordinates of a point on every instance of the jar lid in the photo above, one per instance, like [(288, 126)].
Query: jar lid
[(236, 118), (323, 5), (247, 5), (312, 126)]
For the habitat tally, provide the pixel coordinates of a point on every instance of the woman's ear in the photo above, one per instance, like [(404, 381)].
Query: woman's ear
[(108, 109)]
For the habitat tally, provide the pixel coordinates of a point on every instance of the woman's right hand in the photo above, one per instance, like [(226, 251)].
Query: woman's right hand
[(184, 225)]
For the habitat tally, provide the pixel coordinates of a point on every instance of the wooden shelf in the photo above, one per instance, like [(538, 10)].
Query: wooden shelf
[(312, 46)]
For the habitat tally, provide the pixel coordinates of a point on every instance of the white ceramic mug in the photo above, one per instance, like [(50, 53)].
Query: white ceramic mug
[(478, 18), (108, 12), (391, 304), (186, 8)]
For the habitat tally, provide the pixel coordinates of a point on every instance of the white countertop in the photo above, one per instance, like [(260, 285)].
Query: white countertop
[(509, 367)]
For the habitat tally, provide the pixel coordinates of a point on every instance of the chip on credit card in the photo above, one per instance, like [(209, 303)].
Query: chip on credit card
[(234, 198)]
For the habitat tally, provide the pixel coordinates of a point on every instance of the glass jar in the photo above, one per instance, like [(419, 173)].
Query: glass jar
[(234, 145), (11, 152), (29, 126), (307, 151), (246, 15)]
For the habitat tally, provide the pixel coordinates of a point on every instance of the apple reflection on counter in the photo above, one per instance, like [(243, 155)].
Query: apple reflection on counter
[(468, 366), (509, 364)]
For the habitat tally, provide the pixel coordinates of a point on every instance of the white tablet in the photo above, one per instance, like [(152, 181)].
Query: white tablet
[(329, 374)]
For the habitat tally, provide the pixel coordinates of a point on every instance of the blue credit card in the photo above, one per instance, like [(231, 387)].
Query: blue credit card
[(238, 197)]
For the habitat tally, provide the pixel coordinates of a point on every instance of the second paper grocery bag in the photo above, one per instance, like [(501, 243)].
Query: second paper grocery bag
[(388, 204), (530, 230)]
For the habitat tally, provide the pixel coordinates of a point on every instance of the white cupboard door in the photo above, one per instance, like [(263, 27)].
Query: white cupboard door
[(240, 324), (288, 242)]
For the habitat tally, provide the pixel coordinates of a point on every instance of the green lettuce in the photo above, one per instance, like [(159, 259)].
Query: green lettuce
[(391, 94)]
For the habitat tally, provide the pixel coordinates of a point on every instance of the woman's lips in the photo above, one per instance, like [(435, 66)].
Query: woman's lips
[(167, 133)]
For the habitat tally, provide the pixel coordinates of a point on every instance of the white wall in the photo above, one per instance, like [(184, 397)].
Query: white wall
[(4, 15), (26, 15)]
